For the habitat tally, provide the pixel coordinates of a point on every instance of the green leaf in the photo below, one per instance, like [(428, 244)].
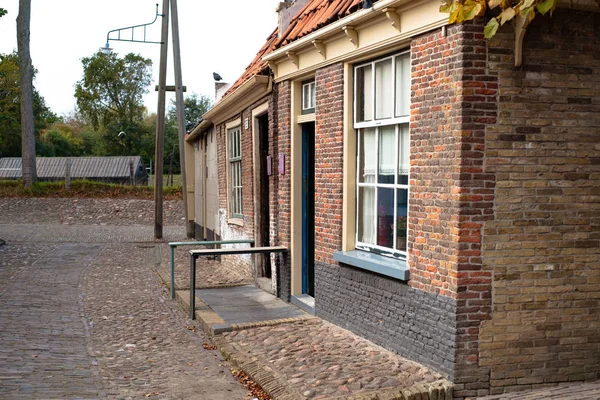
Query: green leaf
[(446, 7), (506, 15), (494, 3), (526, 4), (471, 9), (491, 28), (2, 12), (545, 6), (456, 14)]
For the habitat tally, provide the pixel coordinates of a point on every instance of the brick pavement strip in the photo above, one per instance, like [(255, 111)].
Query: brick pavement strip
[(570, 391), (44, 352)]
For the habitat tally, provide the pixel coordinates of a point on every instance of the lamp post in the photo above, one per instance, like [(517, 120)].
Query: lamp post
[(160, 115)]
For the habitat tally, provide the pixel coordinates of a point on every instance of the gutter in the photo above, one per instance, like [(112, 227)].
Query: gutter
[(249, 92), (202, 127), (334, 27)]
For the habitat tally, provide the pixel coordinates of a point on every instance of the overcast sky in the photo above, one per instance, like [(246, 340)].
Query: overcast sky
[(221, 36)]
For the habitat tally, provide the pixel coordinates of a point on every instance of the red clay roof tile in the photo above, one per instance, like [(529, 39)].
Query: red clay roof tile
[(315, 15)]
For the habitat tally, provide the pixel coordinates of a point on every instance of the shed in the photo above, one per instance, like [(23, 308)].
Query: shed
[(106, 169)]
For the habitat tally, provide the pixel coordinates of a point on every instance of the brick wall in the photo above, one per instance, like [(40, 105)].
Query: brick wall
[(329, 161), (410, 322), (242, 265), (453, 101), (283, 205), (544, 243)]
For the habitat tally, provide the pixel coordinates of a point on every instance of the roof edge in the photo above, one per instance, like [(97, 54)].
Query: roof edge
[(202, 127), (356, 17), (250, 91)]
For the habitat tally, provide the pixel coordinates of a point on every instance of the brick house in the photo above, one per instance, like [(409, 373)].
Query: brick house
[(436, 198)]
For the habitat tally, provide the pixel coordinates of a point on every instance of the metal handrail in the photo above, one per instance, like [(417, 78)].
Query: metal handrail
[(194, 254), (215, 243)]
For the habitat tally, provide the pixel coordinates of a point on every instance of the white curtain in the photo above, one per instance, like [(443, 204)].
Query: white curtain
[(403, 151), (369, 148), (387, 152), (402, 85), (384, 89)]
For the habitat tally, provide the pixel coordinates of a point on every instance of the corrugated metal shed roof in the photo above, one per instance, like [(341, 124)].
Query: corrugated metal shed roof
[(81, 167), (316, 14)]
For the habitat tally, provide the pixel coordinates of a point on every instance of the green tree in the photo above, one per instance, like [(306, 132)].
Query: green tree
[(110, 95), (195, 107), (10, 109)]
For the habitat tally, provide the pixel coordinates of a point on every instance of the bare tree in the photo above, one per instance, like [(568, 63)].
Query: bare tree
[(26, 78)]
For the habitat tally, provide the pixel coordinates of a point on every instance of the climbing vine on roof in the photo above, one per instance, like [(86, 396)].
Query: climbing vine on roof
[(504, 11)]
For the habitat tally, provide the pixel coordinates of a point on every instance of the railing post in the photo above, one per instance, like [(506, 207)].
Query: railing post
[(192, 286), (172, 272)]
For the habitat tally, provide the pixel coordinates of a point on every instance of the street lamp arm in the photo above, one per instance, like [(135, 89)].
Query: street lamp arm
[(133, 27)]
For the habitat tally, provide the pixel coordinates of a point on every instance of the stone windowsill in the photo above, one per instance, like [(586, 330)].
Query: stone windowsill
[(374, 262)]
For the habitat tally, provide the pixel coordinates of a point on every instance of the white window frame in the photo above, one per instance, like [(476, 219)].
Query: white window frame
[(397, 122), (234, 169), (308, 102)]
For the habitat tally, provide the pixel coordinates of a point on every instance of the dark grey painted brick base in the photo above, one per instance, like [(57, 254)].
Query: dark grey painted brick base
[(416, 325)]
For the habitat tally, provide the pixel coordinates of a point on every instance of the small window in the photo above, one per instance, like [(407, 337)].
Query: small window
[(234, 137), (309, 97)]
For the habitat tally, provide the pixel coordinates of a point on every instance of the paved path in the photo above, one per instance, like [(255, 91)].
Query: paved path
[(43, 335), (570, 391), (83, 316)]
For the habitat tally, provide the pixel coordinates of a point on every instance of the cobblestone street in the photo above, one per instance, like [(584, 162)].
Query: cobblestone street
[(83, 315)]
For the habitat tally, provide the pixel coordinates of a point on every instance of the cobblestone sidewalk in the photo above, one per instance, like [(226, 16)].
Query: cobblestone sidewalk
[(314, 359), (140, 339)]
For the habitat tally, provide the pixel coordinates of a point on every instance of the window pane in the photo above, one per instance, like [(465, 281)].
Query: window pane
[(368, 156), (404, 154), (401, 218), (387, 154), (305, 96), (364, 94), (403, 85), (383, 89), (313, 95), (385, 217), (366, 215)]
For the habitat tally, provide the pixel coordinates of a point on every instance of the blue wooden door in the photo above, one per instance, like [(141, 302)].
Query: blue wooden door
[(308, 208)]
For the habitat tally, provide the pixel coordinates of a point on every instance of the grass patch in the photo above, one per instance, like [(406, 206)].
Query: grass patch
[(85, 189)]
